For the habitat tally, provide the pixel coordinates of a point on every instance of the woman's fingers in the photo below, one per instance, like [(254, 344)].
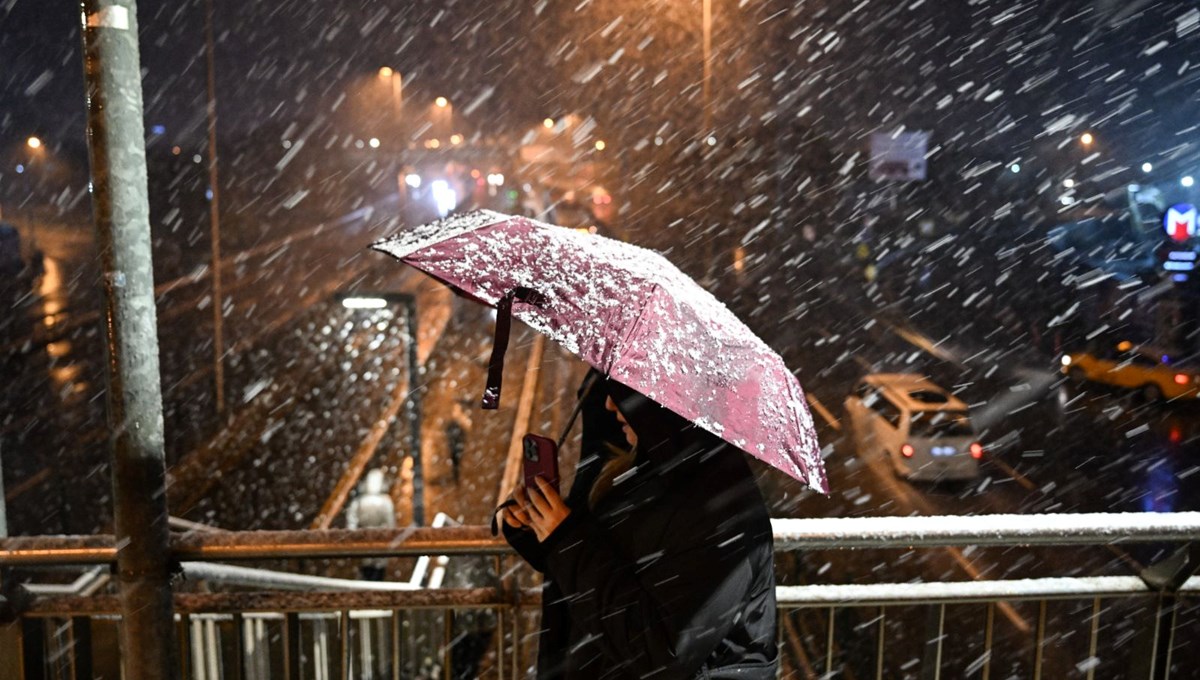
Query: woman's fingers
[(549, 494)]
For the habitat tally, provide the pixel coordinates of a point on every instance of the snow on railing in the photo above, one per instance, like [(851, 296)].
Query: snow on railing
[(946, 530), (958, 592)]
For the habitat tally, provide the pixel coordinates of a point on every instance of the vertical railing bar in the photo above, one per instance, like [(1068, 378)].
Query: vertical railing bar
[(196, 631), (1154, 645), (514, 586), (291, 646), (395, 644), (498, 564), (829, 644), (988, 632), (1039, 652), (879, 646), (1095, 637), (251, 648), (1170, 639), (447, 641), (344, 638), (500, 643), (211, 651), (941, 633)]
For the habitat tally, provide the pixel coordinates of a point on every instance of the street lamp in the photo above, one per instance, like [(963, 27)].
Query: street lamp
[(441, 102), (600, 145), (34, 143), (1086, 139)]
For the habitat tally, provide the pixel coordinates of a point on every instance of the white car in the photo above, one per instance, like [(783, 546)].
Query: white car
[(923, 430)]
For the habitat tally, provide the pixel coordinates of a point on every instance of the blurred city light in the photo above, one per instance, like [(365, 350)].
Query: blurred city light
[(456, 139), (441, 102), (600, 145), (1187, 181), (413, 180), (495, 179), (364, 303), (548, 123), (1015, 168), (1147, 167), (386, 72), (1066, 200), (20, 168), (443, 196), (158, 130), (34, 143), (1086, 139), (712, 141), (374, 142), (1068, 183)]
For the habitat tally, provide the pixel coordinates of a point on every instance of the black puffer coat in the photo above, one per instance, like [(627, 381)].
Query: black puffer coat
[(671, 574)]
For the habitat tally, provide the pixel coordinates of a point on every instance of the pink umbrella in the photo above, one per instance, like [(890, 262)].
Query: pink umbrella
[(630, 313)]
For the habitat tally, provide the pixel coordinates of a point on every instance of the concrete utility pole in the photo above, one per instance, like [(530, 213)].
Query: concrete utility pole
[(116, 145)]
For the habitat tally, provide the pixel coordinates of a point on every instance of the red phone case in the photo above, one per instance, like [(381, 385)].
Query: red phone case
[(540, 460)]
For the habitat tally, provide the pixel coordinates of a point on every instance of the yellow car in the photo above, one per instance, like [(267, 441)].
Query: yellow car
[(1134, 366)]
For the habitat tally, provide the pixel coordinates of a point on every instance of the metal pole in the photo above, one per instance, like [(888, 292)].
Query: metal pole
[(706, 87), (214, 217), (116, 144), (414, 412), (3, 503)]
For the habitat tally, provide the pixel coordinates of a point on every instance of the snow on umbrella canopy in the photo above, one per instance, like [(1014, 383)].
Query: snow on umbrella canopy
[(633, 315)]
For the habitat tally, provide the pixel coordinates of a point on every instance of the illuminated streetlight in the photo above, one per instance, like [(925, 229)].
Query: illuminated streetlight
[(600, 145), (548, 123), (374, 142), (1147, 167), (1086, 139), (1068, 183), (34, 143), (1015, 168), (441, 102), (1187, 181), (456, 139), (386, 72)]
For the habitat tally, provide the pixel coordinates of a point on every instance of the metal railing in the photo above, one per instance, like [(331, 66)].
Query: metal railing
[(1081, 626)]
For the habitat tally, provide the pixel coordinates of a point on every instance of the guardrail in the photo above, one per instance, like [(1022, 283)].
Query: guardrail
[(859, 630)]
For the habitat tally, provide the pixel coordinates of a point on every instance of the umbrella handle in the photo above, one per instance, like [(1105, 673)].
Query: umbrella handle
[(495, 379)]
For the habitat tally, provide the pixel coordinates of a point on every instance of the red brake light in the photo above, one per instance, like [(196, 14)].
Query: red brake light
[(977, 450), (1181, 379), (907, 451)]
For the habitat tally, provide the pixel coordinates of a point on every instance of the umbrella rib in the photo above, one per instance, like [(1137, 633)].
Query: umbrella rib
[(632, 329)]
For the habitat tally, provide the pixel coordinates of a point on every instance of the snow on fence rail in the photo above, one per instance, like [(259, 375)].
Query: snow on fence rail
[(945, 530)]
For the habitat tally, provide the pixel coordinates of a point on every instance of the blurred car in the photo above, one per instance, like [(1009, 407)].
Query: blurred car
[(1140, 367), (923, 430)]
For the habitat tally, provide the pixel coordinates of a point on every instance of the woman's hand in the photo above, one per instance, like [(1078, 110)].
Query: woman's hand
[(540, 509)]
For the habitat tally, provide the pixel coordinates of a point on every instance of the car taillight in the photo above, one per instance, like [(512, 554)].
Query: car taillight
[(1181, 379), (907, 450), (977, 450)]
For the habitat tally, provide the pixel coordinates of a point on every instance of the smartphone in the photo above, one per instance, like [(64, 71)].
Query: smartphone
[(540, 460)]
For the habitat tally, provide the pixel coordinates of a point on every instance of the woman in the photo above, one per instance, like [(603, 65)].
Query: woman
[(659, 562)]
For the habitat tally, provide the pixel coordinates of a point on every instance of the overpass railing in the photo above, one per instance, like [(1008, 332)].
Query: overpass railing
[(252, 623)]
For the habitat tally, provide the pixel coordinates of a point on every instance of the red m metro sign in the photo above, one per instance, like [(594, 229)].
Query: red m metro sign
[(1180, 221)]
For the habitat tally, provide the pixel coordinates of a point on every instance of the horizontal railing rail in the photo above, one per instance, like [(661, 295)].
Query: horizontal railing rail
[(790, 534)]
